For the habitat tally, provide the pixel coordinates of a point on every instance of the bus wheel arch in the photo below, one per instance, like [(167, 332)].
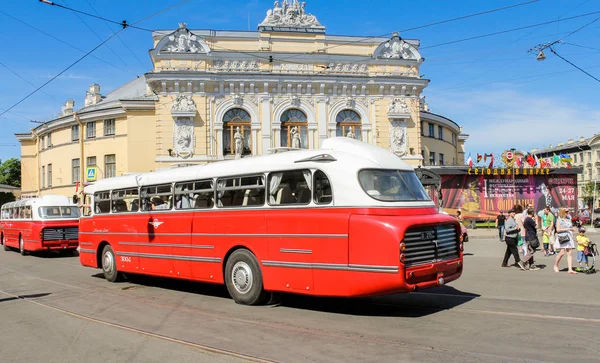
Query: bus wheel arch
[(243, 277), (108, 263)]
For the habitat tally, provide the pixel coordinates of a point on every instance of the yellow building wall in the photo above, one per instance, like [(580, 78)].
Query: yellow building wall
[(141, 141), (29, 168)]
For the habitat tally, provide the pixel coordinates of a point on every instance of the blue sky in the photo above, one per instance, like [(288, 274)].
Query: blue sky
[(491, 86)]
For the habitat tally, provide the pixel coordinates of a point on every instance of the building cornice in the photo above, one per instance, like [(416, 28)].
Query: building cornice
[(25, 136), (428, 116), (101, 114), (147, 105)]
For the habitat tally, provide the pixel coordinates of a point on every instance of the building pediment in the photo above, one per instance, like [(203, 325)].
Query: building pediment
[(396, 48), (182, 41)]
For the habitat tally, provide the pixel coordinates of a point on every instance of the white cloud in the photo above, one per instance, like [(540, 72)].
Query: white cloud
[(498, 120)]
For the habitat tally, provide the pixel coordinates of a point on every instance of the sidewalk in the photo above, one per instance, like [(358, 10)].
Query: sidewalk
[(492, 233)]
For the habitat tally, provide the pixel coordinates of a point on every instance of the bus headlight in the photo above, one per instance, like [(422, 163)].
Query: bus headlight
[(402, 257), (460, 245), (402, 249)]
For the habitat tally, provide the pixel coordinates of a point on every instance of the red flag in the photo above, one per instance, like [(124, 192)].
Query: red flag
[(530, 160), (519, 162), (491, 161)]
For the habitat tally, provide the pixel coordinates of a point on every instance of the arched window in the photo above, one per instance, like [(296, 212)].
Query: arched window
[(294, 122), (348, 123), (234, 119)]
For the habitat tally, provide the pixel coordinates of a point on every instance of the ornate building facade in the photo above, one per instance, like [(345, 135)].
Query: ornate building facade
[(214, 95)]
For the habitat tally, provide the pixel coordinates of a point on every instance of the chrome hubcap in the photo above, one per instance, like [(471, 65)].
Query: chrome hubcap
[(108, 262), (241, 275)]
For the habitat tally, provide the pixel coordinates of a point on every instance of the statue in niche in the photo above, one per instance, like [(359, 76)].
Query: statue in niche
[(296, 144), (350, 134), (239, 142), (398, 105), (184, 103)]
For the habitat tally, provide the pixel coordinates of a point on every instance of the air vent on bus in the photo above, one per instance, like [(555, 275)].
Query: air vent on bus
[(318, 158), (430, 244), (60, 234)]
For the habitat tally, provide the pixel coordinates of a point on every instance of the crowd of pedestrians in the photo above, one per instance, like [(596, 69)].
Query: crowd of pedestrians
[(519, 230)]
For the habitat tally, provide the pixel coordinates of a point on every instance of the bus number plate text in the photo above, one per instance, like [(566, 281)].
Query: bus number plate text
[(125, 259)]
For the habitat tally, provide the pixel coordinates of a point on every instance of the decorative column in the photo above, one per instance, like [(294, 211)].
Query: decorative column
[(265, 120), (321, 112)]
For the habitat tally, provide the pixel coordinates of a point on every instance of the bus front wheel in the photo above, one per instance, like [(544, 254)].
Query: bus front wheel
[(6, 248), (109, 265), (244, 278)]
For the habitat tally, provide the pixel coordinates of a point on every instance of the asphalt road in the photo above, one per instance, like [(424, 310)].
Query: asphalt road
[(54, 310)]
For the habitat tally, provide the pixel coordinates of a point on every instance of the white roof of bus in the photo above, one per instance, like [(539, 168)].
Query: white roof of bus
[(46, 200), (351, 155)]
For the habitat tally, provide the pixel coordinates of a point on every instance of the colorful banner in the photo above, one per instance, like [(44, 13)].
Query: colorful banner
[(484, 195)]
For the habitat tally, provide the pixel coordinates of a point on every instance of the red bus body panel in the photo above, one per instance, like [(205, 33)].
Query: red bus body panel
[(316, 251), (31, 232)]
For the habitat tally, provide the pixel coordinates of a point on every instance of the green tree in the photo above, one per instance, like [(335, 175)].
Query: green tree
[(588, 193), (10, 172), (6, 197)]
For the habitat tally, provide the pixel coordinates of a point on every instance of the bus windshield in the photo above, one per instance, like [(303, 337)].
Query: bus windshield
[(59, 212), (392, 185)]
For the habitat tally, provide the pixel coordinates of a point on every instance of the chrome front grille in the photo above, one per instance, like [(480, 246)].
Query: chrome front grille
[(430, 244), (60, 234)]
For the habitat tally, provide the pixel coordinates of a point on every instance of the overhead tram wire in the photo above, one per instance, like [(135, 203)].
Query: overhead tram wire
[(509, 30), (123, 23), (63, 71), (29, 83), (65, 43), (118, 36), (424, 26), (573, 64), (519, 39), (100, 38)]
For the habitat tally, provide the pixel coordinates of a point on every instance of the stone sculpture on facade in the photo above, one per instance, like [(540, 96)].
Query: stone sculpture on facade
[(290, 14), (239, 142), (183, 41), (396, 48), (350, 134), (398, 106), (183, 137), (296, 144), (398, 138), (183, 103)]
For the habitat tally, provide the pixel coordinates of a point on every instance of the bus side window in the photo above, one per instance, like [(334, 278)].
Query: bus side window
[(290, 187), (322, 188), (102, 202), (157, 197), (244, 191)]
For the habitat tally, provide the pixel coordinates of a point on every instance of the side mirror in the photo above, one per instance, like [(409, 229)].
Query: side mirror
[(75, 199)]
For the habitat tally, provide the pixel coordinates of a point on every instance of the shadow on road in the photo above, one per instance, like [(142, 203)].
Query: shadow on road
[(55, 254), (32, 296), (407, 305)]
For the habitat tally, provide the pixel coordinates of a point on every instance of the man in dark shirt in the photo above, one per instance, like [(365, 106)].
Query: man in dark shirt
[(500, 225)]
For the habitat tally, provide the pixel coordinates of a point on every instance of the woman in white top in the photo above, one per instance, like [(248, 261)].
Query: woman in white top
[(564, 239)]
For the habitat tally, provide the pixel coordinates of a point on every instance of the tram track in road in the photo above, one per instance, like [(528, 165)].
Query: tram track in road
[(206, 348)]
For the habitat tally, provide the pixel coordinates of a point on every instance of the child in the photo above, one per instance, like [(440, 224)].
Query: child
[(582, 242)]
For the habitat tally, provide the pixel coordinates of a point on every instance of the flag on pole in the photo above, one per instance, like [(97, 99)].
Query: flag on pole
[(491, 160), (470, 161), (479, 157)]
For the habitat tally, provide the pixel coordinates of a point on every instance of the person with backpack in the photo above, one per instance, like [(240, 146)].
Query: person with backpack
[(531, 241)]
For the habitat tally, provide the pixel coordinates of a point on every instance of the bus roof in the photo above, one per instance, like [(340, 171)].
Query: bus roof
[(46, 200), (340, 158)]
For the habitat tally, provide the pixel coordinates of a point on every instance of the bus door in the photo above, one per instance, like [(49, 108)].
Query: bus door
[(163, 228), (123, 231)]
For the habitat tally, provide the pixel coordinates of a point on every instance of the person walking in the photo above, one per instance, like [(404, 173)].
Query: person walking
[(500, 225), (564, 239), (519, 218), (531, 241), (547, 226), (511, 232)]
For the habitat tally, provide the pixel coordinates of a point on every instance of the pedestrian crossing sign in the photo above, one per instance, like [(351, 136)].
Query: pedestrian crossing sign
[(91, 173)]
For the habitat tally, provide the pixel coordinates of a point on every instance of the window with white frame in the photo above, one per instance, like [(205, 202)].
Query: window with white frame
[(49, 141), (431, 158), (294, 129), (441, 159), (91, 161), (110, 166), (431, 130), (440, 132), (43, 175), (90, 130), (49, 175), (75, 170), (348, 123), (109, 127), (75, 133)]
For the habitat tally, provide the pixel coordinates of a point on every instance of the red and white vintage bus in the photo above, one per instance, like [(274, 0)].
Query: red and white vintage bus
[(350, 219), (40, 224)]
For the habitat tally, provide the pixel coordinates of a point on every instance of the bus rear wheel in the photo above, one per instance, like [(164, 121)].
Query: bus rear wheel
[(6, 248), (109, 265), (22, 246), (243, 279)]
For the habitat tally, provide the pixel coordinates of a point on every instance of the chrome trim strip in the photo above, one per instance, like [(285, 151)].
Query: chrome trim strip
[(332, 266), (165, 245), (170, 257), (290, 250), (86, 250), (85, 243), (267, 235), (15, 229)]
